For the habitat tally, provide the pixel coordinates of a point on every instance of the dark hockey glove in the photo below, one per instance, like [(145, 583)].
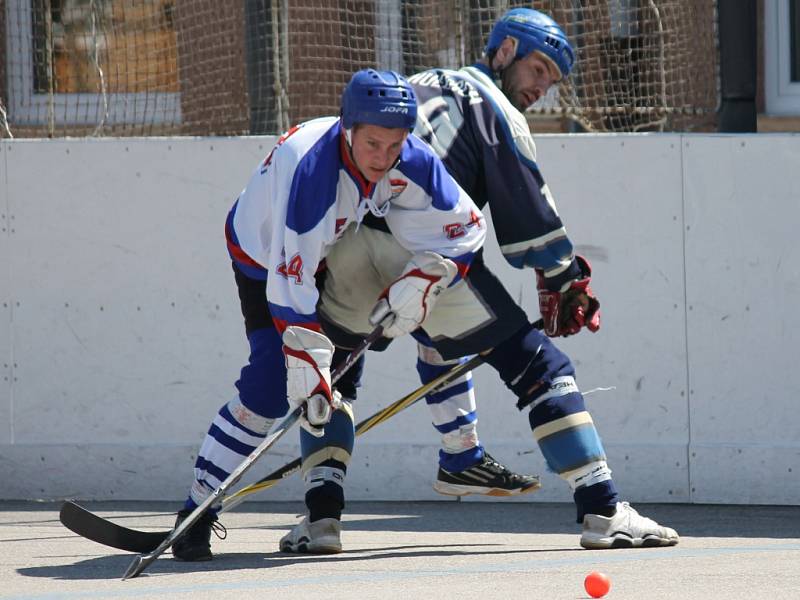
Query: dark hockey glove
[(565, 312)]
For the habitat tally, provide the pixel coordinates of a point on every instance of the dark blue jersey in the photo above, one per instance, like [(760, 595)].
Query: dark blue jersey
[(487, 147)]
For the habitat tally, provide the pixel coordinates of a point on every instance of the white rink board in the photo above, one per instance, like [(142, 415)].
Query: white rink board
[(128, 336), (6, 358), (743, 284)]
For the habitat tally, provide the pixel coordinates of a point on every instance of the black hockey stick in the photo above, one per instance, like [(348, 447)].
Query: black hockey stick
[(104, 531), (361, 428), (365, 425), (141, 562)]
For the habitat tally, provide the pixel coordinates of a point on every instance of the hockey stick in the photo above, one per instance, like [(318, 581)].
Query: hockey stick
[(365, 425), (361, 428), (104, 531), (108, 533), (141, 562)]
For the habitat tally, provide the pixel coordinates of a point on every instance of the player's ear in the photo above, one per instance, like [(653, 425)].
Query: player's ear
[(505, 54)]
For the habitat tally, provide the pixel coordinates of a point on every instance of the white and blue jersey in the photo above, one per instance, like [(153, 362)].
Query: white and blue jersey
[(303, 196), (487, 147), (297, 205)]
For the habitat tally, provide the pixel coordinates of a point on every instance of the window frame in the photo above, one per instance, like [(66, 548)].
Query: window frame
[(26, 107), (781, 94)]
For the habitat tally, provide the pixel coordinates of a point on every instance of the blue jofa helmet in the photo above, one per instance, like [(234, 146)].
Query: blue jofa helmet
[(381, 98), (533, 30)]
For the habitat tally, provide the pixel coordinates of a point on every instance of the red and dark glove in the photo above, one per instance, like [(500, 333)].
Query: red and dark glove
[(566, 312)]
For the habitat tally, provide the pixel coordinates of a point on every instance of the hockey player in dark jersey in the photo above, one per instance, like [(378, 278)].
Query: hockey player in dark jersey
[(472, 119)]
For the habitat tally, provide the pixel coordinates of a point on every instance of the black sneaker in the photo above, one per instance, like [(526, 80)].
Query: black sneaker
[(195, 544), (488, 477)]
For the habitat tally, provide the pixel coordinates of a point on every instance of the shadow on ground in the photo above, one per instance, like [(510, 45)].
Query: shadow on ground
[(690, 520), (112, 567)]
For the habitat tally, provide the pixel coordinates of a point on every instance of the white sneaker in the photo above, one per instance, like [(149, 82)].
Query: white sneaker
[(319, 537), (626, 529)]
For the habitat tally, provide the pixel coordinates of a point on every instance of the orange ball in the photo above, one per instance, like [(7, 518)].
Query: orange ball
[(597, 584)]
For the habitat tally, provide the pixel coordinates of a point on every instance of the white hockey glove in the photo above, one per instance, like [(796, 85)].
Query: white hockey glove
[(308, 377), (411, 296)]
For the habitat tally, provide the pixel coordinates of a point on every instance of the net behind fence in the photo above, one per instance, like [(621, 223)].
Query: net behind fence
[(203, 67)]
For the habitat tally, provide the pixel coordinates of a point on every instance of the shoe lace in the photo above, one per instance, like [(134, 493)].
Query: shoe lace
[(196, 533), (490, 463), (497, 467), (635, 517), (219, 530)]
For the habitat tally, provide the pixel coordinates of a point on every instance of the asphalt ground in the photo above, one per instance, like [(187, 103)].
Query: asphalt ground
[(408, 550)]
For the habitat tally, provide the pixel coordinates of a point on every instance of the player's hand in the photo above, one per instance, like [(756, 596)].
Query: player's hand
[(567, 311), (318, 412), (411, 296)]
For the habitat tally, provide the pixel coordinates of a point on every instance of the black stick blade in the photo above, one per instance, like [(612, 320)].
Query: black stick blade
[(88, 525)]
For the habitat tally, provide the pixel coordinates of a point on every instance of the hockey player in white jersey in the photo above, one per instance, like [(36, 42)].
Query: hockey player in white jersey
[(472, 118), (321, 177)]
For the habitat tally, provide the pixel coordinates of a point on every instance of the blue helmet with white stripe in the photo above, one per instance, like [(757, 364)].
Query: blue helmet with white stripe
[(381, 98), (533, 31)]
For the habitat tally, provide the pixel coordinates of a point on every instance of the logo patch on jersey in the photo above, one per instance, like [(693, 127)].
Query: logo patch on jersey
[(457, 230), (292, 269), (398, 187), (454, 230)]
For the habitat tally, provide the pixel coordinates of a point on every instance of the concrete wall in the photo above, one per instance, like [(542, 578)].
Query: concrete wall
[(120, 333)]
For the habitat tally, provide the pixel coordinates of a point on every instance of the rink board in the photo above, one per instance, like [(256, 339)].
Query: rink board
[(120, 332)]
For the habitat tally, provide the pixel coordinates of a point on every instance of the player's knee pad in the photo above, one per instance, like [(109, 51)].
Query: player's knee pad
[(265, 370), (431, 364), (335, 445), (528, 362), (248, 419), (428, 355)]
